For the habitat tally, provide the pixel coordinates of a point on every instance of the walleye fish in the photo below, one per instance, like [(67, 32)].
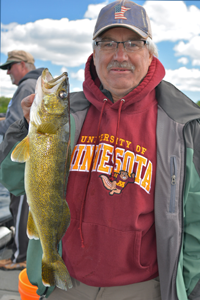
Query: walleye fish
[(46, 151)]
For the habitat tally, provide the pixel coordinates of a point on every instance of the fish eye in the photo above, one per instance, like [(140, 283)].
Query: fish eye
[(63, 94)]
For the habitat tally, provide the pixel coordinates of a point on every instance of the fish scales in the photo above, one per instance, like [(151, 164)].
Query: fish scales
[(46, 151)]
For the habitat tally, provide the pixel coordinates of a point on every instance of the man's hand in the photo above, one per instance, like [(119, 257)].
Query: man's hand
[(26, 106)]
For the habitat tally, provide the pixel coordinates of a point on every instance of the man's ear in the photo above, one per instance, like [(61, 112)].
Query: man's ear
[(150, 58), (94, 56), (23, 65)]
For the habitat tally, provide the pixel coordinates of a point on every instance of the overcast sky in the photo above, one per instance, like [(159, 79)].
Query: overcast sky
[(59, 35)]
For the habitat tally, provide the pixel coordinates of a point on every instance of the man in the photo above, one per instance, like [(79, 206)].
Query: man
[(144, 242), (20, 66)]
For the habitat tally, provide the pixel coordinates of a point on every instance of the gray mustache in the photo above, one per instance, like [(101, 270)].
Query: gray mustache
[(123, 65)]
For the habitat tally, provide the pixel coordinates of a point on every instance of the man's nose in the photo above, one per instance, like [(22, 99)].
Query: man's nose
[(120, 53)]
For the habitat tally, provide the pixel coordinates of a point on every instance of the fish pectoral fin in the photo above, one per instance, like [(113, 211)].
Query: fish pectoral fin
[(21, 151), (47, 127)]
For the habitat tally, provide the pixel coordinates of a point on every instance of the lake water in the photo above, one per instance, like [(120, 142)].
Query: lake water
[(4, 202), (4, 197)]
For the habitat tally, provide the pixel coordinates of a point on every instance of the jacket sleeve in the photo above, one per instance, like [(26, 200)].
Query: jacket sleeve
[(12, 173), (34, 266), (14, 110), (191, 213)]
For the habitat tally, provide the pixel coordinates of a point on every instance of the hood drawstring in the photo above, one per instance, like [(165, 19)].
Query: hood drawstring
[(90, 170), (92, 160), (116, 136)]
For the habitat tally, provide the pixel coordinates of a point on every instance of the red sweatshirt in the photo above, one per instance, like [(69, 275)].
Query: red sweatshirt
[(112, 200)]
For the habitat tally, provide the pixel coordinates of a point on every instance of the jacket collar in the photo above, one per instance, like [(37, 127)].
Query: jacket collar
[(177, 105)]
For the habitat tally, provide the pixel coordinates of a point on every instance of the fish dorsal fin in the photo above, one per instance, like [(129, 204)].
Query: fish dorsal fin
[(21, 151)]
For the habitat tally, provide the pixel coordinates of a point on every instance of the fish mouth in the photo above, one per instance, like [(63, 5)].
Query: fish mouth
[(50, 84)]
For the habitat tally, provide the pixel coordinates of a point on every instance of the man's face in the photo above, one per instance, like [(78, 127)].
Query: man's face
[(16, 73), (121, 80)]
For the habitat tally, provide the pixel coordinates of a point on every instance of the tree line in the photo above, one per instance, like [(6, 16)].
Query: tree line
[(4, 104)]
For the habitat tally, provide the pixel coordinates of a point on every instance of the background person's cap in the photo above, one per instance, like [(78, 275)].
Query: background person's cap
[(123, 13), (17, 56)]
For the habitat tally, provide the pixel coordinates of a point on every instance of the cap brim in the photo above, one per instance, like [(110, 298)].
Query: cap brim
[(5, 66), (135, 29)]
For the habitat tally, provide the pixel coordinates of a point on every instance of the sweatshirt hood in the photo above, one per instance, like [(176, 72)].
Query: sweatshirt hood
[(91, 86), (34, 74)]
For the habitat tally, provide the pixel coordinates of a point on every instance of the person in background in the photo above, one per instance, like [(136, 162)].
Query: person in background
[(23, 73), (135, 208)]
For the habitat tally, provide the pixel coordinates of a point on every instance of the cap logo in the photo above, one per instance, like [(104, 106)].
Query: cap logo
[(119, 12)]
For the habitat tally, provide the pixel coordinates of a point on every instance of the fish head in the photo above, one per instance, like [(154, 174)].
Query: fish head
[(55, 92), (51, 103)]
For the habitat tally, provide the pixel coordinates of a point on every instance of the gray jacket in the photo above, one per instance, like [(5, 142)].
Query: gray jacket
[(26, 87)]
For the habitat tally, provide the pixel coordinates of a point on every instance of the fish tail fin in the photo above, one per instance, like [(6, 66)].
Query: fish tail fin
[(56, 273)]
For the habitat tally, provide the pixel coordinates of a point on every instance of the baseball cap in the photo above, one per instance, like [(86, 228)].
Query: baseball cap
[(123, 13), (17, 56)]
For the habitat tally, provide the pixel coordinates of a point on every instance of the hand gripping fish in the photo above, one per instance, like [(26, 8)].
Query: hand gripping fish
[(46, 151)]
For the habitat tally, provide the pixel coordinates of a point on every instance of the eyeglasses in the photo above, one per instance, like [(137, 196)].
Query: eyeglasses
[(129, 46), (10, 66)]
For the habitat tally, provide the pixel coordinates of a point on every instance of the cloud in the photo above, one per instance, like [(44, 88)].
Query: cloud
[(79, 75), (8, 26), (196, 62), (173, 20), (7, 89), (183, 29), (184, 79), (191, 48), (63, 69), (76, 89), (94, 9), (63, 42), (68, 43), (183, 60)]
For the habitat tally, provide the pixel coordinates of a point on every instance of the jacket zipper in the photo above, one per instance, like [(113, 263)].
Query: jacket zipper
[(182, 196), (173, 174)]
